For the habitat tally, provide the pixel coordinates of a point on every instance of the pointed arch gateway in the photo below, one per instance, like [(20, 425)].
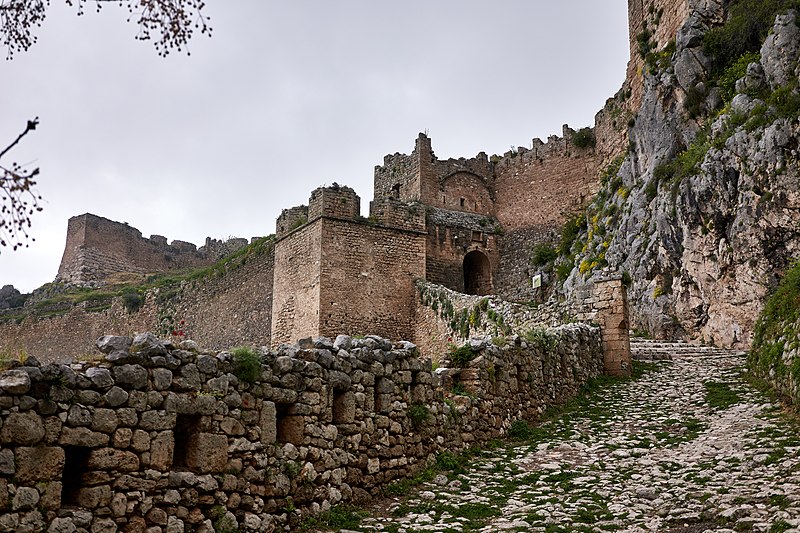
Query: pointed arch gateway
[(477, 273)]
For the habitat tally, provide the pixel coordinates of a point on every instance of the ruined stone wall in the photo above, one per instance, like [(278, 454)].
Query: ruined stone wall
[(160, 437), (296, 285), (335, 201), (97, 248), (422, 177), (290, 219), (218, 311), (398, 177), (230, 310), (661, 19), (367, 278)]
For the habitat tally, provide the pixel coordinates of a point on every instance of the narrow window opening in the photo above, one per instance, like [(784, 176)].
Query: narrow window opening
[(378, 401), (289, 428), (444, 202), (342, 407), (186, 427), (462, 202), (396, 191), (76, 464)]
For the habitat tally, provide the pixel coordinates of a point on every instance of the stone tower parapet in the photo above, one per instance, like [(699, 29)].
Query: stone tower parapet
[(336, 201), (395, 213), (291, 219)]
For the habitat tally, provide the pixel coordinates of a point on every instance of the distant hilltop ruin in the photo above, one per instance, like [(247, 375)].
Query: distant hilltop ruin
[(97, 248)]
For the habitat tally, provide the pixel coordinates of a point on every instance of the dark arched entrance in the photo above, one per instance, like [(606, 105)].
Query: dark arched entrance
[(477, 273)]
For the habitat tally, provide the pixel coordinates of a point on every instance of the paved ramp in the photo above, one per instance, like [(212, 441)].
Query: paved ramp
[(688, 446)]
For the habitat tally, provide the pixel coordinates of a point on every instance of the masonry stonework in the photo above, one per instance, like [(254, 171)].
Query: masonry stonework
[(97, 248), (163, 437), (657, 20)]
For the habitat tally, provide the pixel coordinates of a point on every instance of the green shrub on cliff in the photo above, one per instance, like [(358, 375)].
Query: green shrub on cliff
[(777, 332), (748, 24)]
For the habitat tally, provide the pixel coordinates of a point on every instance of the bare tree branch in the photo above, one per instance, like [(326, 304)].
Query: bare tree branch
[(169, 24), (18, 198)]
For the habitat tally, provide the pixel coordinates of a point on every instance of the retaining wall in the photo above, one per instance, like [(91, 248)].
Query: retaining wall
[(156, 437)]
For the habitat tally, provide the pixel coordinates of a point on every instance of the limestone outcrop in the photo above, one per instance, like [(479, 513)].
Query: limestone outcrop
[(704, 212)]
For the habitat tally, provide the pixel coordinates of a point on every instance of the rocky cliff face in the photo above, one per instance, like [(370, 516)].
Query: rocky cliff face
[(704, 211)]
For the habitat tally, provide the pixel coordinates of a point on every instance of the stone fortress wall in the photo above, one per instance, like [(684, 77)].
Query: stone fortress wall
[(218, 311), (661, 19), (339, 273), (97, 247)]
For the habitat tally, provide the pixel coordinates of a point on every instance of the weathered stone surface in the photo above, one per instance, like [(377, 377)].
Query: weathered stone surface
[(111, 459), (116, 396), (161, 451), (147, 344), (157, 420), (82, 436), (94, 497), (100, 377), (25, 499), (130, 376), (22, 428), (112, 343), (162, 378), (104, 420), (207, 452), (62, 525), (42, 463), (15, 381), (781, 50), (7, 464)]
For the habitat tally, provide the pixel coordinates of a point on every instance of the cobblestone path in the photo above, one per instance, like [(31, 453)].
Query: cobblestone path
[(687, 447)]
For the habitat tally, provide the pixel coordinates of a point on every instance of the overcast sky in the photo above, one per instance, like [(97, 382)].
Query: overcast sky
[(286, 96)]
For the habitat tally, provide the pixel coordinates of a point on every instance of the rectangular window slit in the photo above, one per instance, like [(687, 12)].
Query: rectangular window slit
[(76, 464), (185, 434)]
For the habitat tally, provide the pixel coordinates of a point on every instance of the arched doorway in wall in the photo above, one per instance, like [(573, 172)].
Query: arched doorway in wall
[(477, 273)]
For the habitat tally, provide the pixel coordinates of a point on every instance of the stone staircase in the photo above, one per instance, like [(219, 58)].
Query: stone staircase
[(658, 350)]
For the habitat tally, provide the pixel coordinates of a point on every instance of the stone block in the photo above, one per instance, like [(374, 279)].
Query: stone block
[(207, 452), (157, 420), (113, 459), (94, 497), (161, 451), (268, 423), (104, 420), (15, 382), (344, 408), (25, 499), (42, 463), (22, 428), (82, 437), (51, 496)]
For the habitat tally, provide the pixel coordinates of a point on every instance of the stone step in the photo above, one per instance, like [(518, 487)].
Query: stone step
[(654, 350)]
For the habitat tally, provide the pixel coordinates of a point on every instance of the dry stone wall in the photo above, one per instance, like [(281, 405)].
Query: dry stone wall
[(161, 437)]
